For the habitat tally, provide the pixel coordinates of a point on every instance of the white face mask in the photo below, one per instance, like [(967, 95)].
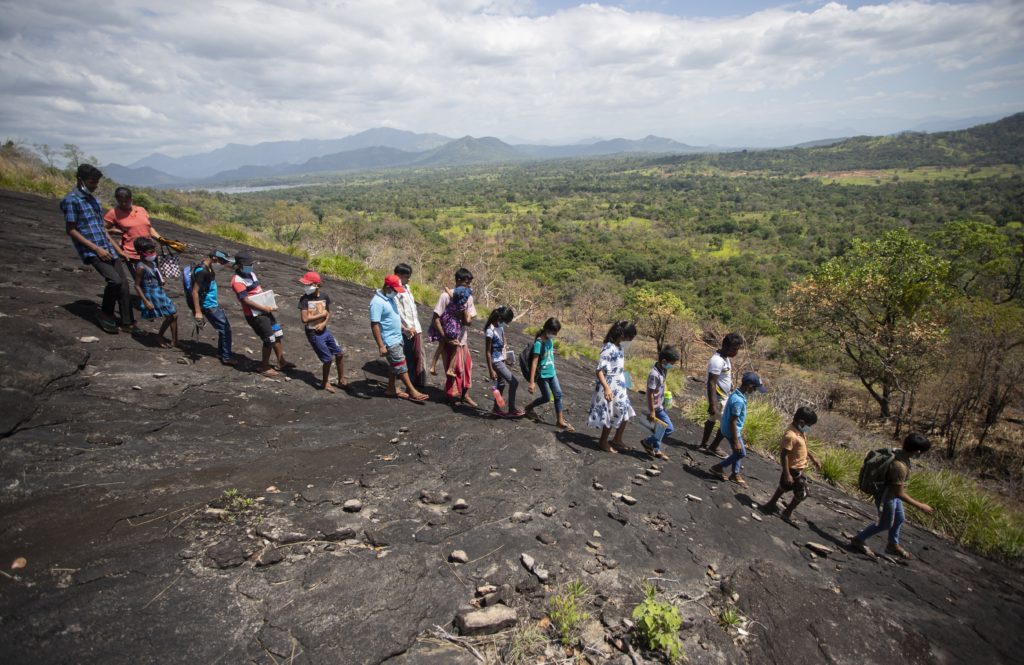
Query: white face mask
[(309, 289), (624, 345)]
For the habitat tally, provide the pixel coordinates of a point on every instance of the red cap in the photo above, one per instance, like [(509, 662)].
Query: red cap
[(310, 278), (395, 282)]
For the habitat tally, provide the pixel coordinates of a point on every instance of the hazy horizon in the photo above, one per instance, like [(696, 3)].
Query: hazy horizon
[(126, 79)]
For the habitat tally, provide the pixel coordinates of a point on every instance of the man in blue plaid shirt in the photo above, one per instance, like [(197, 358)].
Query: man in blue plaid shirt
[(83, 218)]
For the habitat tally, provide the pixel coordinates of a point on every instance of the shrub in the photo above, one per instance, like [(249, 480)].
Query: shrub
[(657, 625), (565, 609), (345, 268), (840, 466)]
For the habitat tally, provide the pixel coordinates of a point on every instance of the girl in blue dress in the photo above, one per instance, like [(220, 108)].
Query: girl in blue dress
[(154, 301)]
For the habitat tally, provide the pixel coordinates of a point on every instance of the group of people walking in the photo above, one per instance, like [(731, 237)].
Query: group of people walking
[(397, 333)]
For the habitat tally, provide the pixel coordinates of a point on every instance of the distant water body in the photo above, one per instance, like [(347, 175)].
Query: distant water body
[(247, 190)]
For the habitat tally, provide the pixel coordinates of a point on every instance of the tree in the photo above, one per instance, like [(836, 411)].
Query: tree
[(880, 304), (74, 155), (48, 154), (285, 221), (655, 312), (595, 300)]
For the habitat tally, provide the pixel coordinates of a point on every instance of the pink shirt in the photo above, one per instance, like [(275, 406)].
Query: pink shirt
[(133, 224)]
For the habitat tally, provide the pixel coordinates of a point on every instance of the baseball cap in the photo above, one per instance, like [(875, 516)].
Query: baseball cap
[(310, 278), (753, 380), (221, 256), (395, 282), (246, 257)]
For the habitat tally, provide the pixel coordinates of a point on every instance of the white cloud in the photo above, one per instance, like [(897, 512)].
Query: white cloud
[(189, 76)]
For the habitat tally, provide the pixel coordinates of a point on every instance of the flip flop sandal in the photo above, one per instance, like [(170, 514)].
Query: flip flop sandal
[(568, 428)]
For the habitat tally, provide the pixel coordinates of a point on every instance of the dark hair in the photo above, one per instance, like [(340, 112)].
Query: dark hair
[(552, 325), (916, 443), (403, 269), (144, 244), (503, 314), (733, 340), (88, 172), (806, 415), (619, 331), (463, 275), (669, 355), (122, 190)]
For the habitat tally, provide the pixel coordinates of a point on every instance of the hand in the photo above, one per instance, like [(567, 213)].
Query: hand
[(737, 448), (493, 375), (199, 317), (651, 416), (454, 342), (786, 481), (409, 333), (608, 394), (925, 508), (148, 304), (817, 464), (104, 255), (532, 388), (383, 350), (711, 410)]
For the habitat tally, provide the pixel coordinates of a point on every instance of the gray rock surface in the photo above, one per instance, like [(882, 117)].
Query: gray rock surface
[(105, 490)]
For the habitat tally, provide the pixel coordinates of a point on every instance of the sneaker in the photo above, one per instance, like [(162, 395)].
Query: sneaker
[(895, 550), (738, 479), (518, 413), (229, 361), (648, 448)]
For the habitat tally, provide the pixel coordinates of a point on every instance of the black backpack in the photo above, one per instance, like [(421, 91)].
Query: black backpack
[(526, 359), (873, 472)]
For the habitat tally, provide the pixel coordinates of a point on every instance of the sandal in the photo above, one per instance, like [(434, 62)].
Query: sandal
[(662, 456), (718, 472), (648, 448), (568, 427), (896, 550), (738, 479), (860, 546)]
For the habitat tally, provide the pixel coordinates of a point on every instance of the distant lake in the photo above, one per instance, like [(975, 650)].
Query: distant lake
[(248, 190)]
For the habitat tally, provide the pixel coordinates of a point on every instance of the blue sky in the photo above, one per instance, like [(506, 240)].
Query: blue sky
[(122, 79)]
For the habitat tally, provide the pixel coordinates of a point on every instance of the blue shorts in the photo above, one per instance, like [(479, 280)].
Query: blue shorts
[(324, 345)]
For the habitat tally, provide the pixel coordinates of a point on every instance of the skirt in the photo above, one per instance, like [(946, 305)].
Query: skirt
[(162, 305)]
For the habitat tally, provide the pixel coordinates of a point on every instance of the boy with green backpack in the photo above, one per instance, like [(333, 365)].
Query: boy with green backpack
[(884, 475)]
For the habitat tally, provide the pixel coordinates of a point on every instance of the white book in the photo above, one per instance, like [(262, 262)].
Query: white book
[(264, 299)]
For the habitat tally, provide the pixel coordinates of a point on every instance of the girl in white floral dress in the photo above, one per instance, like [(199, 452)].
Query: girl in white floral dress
[(610, 408)]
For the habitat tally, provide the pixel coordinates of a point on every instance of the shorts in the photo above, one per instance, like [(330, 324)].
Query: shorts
[(396, 359), (266, 328), (799, 488), (324, 345), (722, 399)]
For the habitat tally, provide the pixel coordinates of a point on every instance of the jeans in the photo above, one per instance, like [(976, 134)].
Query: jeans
[(219, 320), (891, 517), (116, 291), (548, 387), (654, 440), (735, 459), (505, 376)]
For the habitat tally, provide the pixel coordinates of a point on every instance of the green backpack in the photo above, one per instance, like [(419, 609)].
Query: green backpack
[(872, 478)]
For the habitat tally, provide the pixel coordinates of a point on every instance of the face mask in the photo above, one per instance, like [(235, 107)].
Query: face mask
[(245, 271), (668, 366), (804, 428), (625, 345), (149, 256), (309, 289), (502, 325)]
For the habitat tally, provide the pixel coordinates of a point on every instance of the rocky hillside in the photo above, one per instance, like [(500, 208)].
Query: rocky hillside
[(339, 543)]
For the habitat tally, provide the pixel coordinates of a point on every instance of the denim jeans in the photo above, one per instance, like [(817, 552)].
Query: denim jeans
[(891, 517), (219, 320), (505, 376), (548, 387), (736, 458), (654, 440)]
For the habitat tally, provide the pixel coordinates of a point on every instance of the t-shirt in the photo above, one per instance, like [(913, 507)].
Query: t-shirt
[(407, 310), (239, 285), (896, 476), (721, 368), (735, 407), (442, 304), (315, 305), (207, 281), (497, 336), (544, 350), (384, 311), (794, 443), (132, 224), (656, 386)]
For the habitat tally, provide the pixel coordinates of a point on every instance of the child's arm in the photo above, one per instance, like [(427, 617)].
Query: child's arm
[(650, 405), (787, 474), (195, 296), (604, 384), (814, 460), (533, 372), (906, 498), (488, 345), (138, 288), (733, 420)]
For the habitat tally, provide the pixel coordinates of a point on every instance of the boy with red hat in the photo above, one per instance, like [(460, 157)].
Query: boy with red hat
[(386, 326), (315, 312)]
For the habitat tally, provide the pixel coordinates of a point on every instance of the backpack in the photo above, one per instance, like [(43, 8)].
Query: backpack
[(188, 278), (526, 359), (872, 478)]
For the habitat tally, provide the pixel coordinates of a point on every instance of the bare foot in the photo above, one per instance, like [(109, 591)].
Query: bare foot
[(269, 371), (608, 449), (328, 387), (433, 370), (662, 456), (165, 343), (286, 365), (342, 384), (466, 399)]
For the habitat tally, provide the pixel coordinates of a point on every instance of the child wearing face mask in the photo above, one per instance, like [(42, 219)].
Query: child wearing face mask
[(153, 299), (315, 312), (794, 454), (656, 413), (260, 318), (495, 348), (610, 408)]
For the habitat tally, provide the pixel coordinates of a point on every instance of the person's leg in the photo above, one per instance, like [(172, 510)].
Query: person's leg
[(898, 518), (174, 329), (505, 376), (737, 464), (556, 391), (265, 367), (413, 393), (799, 494), (452, 361), (602, 442), (325, 382), (409, 348), (886, 516), (438, 352), (709, 428), (545, 395), (617, 439), (279, 353), (219, 321), (773, 503), (339, 361), (727, 463), (112, 289), (418, 368)]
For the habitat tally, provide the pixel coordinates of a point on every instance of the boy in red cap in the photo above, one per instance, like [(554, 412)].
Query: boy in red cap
[(315, 312), (386, 326)]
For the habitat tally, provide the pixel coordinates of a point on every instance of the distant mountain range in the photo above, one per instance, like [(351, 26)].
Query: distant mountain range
[(372, 149), (383, 148)]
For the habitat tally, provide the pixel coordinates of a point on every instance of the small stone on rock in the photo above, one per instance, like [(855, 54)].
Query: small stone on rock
[(527, 560), (549, 511), (628, 500), (598, 486), (352, 506), (823, 550), (521, 518), (486, 621), (691, 497), (458, 556), (88, 339), (460, 504), (546, 538)]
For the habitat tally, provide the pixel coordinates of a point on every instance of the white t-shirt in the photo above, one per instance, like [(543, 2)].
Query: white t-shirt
[(722, 368), (407, 310)]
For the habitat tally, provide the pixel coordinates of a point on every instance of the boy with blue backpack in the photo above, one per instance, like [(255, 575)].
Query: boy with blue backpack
[(199, 283)]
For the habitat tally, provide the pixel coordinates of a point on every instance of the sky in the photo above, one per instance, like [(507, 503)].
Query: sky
[(124, 78)]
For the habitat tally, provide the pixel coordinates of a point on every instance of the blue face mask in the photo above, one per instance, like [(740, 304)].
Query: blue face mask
[(668, 366), (245, 271), (804, 428)]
